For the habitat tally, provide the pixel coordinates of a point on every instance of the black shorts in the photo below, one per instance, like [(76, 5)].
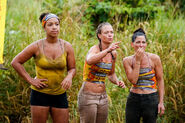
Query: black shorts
[(42, 99)]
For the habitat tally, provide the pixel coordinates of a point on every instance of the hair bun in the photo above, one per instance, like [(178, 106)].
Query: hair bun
[(42, 16), (139, 30)]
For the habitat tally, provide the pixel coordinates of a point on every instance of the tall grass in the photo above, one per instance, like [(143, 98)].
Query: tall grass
[(165, 38)]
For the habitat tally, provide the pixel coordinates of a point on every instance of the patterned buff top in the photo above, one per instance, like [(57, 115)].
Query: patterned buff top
[(147, 80), (96, 73)]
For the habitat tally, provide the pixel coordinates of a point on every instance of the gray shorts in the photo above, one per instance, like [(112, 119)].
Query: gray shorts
[(93, 107)]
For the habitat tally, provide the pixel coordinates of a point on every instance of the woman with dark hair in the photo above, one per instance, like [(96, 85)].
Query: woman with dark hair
[(99, 62), (144, 71), (52, 56)]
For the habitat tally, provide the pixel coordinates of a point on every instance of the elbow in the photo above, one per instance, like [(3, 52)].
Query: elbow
[(133, 81), (89, 62), (109, 77), (74, 71), (13, 64)]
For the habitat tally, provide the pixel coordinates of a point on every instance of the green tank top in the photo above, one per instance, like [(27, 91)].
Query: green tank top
[(52, 70)]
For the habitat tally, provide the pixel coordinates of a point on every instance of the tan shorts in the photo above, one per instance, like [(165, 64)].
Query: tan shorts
[(93, 107)]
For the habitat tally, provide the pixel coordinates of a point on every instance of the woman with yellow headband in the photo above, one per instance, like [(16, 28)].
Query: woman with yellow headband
[(52, 56)]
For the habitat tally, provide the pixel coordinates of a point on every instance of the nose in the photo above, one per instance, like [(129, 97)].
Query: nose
[(54, 26), (110, 35), (141, 44)]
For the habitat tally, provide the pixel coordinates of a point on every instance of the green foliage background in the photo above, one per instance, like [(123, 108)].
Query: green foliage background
[(163, 21)]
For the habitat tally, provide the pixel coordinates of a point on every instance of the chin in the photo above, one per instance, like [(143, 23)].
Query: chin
[(110, 41), (54, 36)]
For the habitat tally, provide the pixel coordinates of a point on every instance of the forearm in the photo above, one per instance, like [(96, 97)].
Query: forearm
[(71, 73), (135, 73), (97, 57), (22, 72), (161, 91), (113, 78)]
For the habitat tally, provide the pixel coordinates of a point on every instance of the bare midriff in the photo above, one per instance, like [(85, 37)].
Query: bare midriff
[(140, 91), (94, 87)]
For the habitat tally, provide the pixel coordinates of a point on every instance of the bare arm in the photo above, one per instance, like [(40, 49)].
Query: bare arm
[(20, 59), (112, 76), (67, 82), (132, 72), (95, 56), (160, 81)]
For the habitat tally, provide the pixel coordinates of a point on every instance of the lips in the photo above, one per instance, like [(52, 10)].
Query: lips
[(110, 39), (54, 31)]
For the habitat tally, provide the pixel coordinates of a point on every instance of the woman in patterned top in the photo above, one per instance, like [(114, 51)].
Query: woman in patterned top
[(144, 71), (99, 63)]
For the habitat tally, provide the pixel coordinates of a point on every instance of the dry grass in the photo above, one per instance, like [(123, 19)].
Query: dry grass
[(166, 38)]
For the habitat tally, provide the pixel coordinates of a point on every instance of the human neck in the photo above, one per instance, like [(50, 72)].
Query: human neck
[(144, 57), (51, 39), (104, 46)]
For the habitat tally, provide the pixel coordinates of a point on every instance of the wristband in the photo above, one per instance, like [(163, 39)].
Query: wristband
[(138, 63), (109, 51)]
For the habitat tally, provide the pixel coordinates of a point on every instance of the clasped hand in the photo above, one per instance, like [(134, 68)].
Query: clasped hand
[(139, 54), (121, 84), (113, 46)]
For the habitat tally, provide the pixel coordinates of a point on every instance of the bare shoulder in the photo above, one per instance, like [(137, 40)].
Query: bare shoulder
[(67, 44), (31, 50), (94, 49), (153, 57), (35, 45), (127, 63), (127, 59)]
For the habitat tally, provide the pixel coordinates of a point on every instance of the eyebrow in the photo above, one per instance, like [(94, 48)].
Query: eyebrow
[(53, 22), (141, 40), (109, 31)]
